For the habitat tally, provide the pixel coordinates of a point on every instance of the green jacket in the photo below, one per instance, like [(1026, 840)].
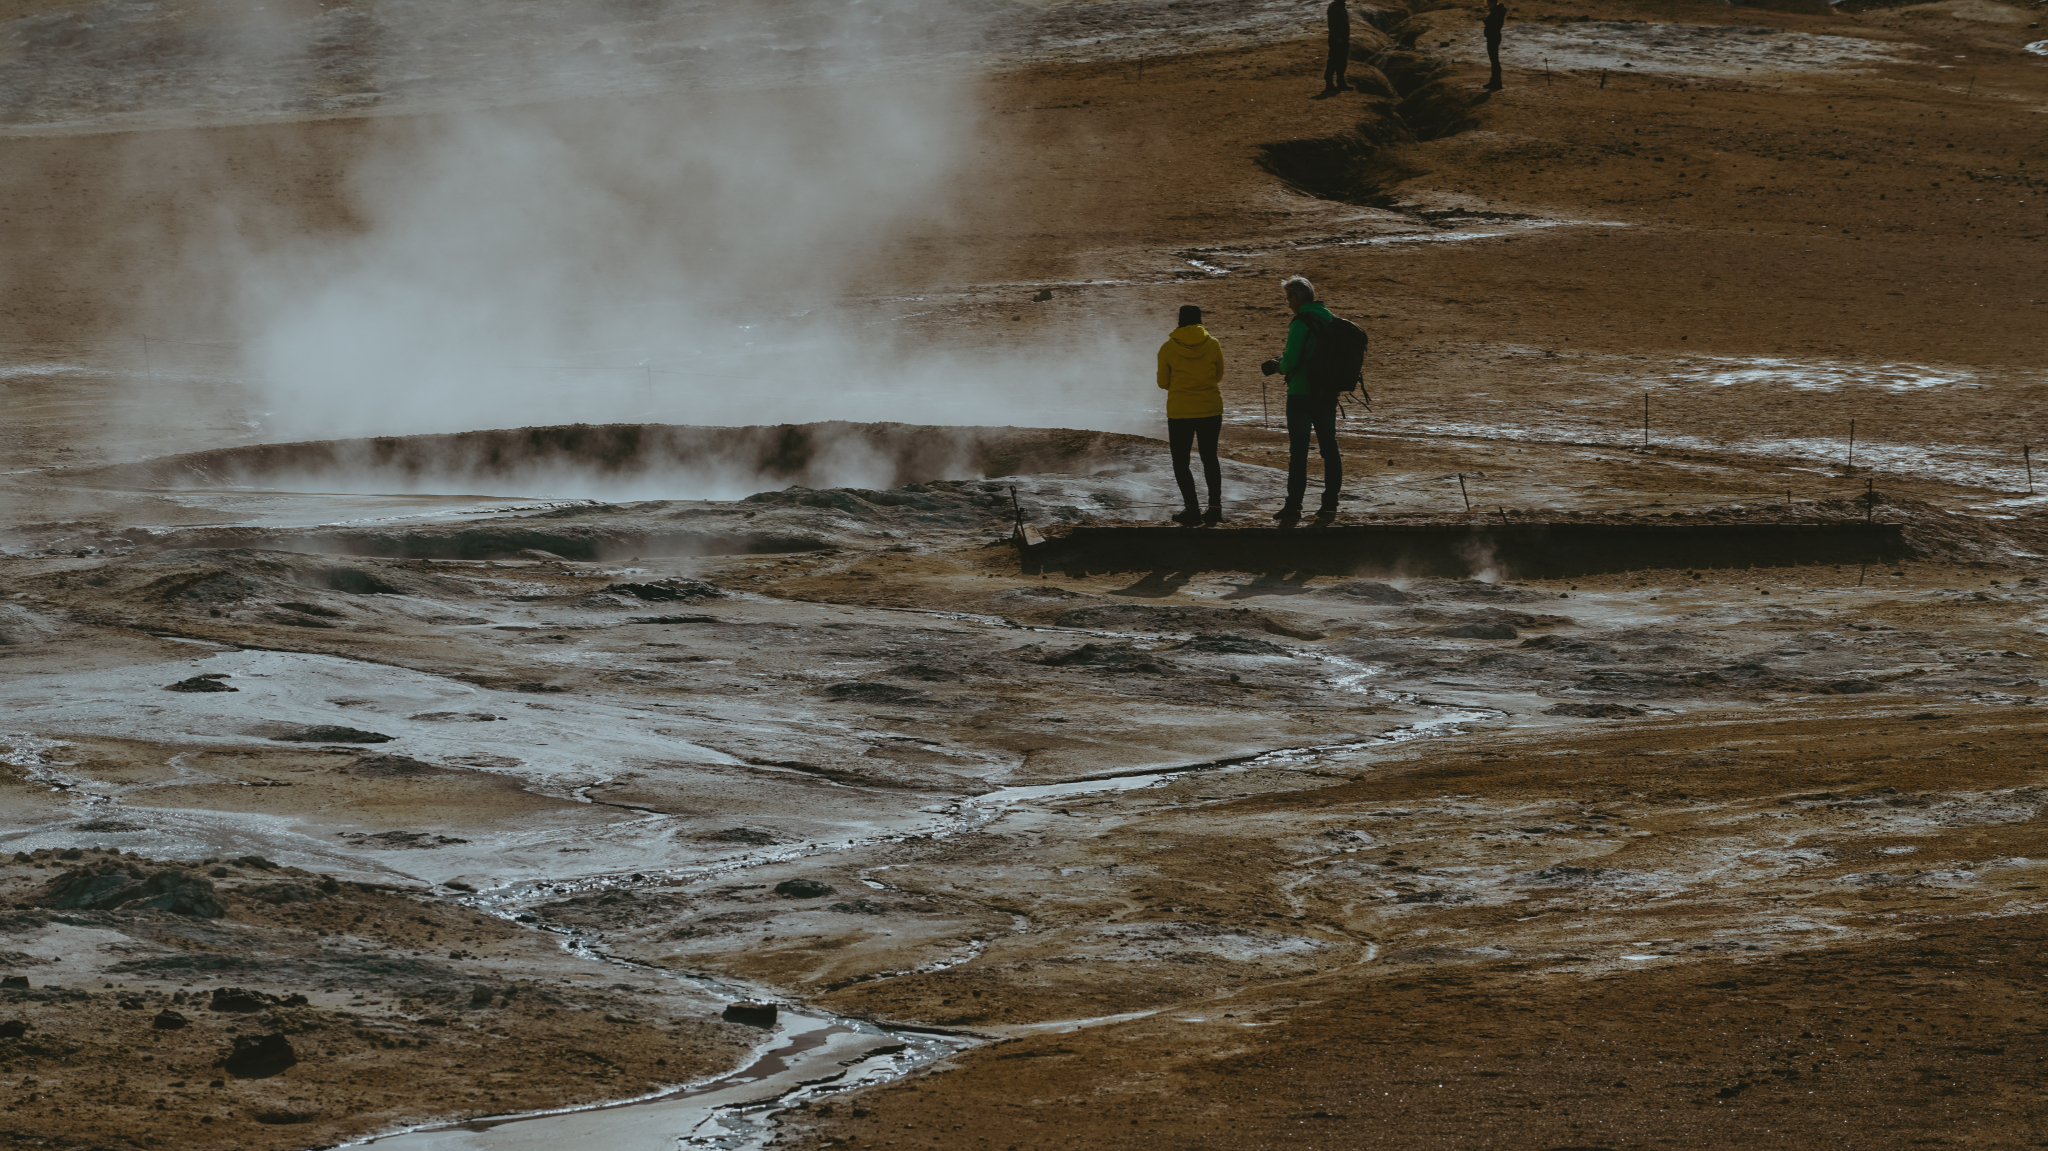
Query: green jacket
[(1301, 342)]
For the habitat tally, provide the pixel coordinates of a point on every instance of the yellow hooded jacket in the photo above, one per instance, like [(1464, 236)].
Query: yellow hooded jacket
[(1190, 367)]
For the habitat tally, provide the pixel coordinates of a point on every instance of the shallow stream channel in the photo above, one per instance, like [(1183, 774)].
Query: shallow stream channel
[(809, 1054)]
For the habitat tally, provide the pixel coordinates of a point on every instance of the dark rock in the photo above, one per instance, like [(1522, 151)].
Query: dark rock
[(329, 733), (1481, 631), (752, 835), (260, 1056), (208, 682), (1593, 710), (668, 590), (393, 766), (414, 840), (313, 609), (1477, 590), (277, 1117), (674, 619), (13, 1029), (804, 889), (1849, 687), (168, 1020), (108, 885), (862, 907), (14, 981), (238, 1000), (751, 1014), (108, 825)]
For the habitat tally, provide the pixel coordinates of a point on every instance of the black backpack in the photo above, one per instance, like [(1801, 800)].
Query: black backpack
[(1336, 364)]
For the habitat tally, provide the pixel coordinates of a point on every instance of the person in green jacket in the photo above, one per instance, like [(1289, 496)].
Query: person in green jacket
[(1306, 412), (1190, 368)]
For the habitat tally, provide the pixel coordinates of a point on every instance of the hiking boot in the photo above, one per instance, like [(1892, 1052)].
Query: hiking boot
[(1188, 518), (1212, 517), (1288, 514)]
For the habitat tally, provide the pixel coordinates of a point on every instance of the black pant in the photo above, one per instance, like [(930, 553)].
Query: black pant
[(1333, 69), (1307, 414), (1493, 57), (1180, 436)]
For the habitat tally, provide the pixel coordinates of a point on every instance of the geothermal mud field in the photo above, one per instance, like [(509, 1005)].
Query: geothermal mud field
[(600, 575)]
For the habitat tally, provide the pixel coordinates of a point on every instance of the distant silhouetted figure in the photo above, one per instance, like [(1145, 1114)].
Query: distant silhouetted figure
[(1340, 48), (1306, 411), (1190, 367), (1496, 19)]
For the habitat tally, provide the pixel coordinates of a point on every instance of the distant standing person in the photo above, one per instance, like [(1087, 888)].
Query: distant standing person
[(1496, 19), (1339, 18), (1190, 368), (1306, 411)]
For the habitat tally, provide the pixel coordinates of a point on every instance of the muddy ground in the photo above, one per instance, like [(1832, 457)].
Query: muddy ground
[(1720, 855)]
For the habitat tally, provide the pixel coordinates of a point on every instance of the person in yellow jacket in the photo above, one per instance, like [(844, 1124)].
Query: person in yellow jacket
[(1190, 368)]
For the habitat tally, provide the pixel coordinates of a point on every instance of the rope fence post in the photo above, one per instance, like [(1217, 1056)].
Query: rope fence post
[(1462, 493)]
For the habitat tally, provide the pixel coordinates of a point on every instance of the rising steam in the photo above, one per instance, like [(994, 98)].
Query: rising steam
[(679, 259)]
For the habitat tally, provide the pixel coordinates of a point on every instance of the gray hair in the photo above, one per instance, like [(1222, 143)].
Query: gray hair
[(1298, 287)]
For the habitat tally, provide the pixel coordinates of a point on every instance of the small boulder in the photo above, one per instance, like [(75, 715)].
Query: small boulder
[(168, 1020), (804, 889), (208, 682), (13, 1029), (20, 981), (751, 1014), (236, 999), (260, 1056), (108, 885), (331, 733)]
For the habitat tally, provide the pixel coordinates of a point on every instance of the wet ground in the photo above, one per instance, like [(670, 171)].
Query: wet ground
[(427, 802)]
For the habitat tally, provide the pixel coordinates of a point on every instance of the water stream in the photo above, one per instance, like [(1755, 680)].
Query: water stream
[(813, 1054)]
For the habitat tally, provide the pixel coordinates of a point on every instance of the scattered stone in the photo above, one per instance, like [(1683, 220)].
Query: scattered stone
[(108, 825), (454, 717), (751, 1014), (14, 981), (393, 767), (862, 907), (108, 885), (1593, 710), (1848, 687), (211, 681), (329, 733), (13, 1028), (260, 1056), (168, 1020), (673, 619), (663, 591), (804, 889)]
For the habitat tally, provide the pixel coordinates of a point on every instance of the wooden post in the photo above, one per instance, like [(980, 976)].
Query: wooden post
[(1463, 493)]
